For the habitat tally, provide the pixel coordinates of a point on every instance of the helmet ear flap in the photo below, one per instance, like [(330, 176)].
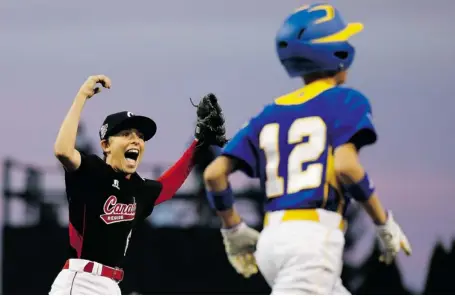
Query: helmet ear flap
[(342, 55)]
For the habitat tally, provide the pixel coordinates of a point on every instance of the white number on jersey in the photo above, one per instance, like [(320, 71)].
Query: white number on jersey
[(303, 152)]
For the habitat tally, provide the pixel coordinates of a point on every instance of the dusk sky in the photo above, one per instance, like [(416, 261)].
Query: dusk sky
[(159, 53)]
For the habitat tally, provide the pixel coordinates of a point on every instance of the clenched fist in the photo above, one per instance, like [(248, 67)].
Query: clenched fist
[(90, 88)]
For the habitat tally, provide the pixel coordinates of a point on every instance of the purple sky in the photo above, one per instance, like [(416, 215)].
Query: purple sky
[(159, 53)]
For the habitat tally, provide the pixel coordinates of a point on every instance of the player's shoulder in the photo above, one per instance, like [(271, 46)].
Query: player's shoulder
[(261, 116), (151, 183), (350, 97), (256, 120), (90, 164), (147, 184), (271, 111), (138, 179), (95, 164), (93, 158)]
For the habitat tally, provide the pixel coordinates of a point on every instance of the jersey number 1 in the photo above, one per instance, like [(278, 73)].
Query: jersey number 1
[(312, 128)]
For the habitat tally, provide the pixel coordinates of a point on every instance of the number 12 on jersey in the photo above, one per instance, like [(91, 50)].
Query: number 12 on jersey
[(313, 128)]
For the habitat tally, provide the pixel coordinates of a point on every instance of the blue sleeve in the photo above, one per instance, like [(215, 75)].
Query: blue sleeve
[(353, 121), (241, 147)]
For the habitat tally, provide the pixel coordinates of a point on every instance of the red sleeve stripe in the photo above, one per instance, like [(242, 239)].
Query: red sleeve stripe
[(176, 175)]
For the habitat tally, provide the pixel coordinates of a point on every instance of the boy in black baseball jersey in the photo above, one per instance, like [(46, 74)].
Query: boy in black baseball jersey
[(107, 198)]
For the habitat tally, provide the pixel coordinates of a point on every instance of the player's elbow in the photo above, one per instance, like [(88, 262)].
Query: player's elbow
[(346, 171), (213, 176), (346, 163), (69, 158), (216, 173), (62, 151)]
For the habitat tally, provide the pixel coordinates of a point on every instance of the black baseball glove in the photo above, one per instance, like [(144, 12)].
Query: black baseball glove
[(210, 128)]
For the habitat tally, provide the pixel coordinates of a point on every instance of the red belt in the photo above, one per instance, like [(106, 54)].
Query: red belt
[(106, 271)]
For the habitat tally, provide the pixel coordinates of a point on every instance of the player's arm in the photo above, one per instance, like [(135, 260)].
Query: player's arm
[(64, 147), (239, 239), (351, 173), (239, 154), (172, 179), (210, 130), (216, 179), (354, 130)]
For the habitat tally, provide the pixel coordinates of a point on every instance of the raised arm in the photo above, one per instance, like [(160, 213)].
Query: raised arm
[(64, 147), (176, 175)]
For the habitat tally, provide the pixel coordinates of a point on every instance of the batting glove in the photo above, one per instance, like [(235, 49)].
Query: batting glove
[(240, 244), (392, 240)]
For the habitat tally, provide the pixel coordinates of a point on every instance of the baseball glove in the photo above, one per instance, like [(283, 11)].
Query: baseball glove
[(210, 128)]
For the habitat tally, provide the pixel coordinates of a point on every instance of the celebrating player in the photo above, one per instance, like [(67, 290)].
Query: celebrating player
[(304, 149), (107, 199)]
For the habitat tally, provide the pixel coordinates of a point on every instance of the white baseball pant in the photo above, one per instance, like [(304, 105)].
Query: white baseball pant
[(74, 281), (301, 256)]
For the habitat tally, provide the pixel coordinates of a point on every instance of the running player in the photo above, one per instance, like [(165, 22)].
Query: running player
[(304, 149)]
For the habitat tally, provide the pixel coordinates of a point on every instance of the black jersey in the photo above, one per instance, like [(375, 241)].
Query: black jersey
[(104, 207)]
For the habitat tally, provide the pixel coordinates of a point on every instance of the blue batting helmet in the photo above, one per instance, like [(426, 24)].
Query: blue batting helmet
[(315, 38)]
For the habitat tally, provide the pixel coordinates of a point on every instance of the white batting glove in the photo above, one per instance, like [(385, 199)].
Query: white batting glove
[(392, 240), (240, 244)]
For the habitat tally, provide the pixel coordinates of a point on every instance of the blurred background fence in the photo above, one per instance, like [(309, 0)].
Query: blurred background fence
[(177, 251)]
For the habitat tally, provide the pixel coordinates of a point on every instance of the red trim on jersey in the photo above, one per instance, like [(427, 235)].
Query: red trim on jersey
[(75, 240), (176, 175), (83, 228)]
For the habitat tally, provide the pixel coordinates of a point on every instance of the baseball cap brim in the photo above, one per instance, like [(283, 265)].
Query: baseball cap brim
[(143, 124)]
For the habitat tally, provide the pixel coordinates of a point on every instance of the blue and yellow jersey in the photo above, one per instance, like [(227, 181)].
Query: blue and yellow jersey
[(289, 145)]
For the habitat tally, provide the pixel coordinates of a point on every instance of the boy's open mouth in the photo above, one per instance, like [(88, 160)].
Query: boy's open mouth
[(131, 156)]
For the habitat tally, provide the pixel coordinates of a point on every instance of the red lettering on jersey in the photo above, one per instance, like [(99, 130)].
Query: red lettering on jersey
[(117, 212)]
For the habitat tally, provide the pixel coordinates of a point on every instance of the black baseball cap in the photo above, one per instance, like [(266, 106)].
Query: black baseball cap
[(117, 122)]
